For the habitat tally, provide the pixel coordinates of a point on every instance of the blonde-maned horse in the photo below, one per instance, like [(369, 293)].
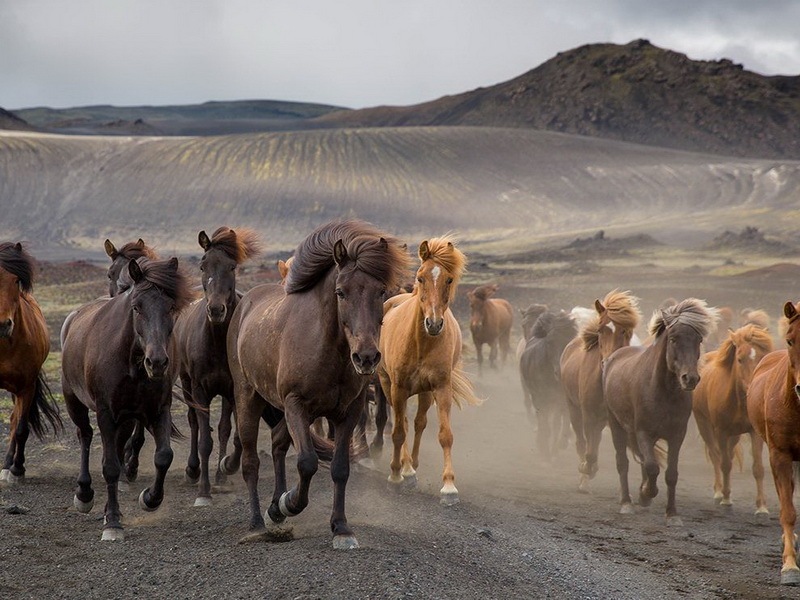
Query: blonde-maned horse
[(421, 354), (719, 404), (773, 405), (581, 374)]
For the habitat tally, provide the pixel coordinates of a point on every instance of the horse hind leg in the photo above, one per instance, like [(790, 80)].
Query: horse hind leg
[(411, 462), (83, 501), (726, 463), (133, 446), (13, 471), (757, 446), (224, 429)]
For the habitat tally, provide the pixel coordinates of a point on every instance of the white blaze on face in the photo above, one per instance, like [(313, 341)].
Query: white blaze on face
[(435, 273), (611, 326), (752, 353)]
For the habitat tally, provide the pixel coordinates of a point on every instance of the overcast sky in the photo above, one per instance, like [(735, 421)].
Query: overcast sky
[(351, 53)]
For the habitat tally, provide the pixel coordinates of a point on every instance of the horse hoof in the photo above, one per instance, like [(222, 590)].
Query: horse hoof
[(449, 499), (4, 474), (82, 507), (282, 506), (7, 476), (626, 509), (189, 478), (726, 502), (143, 501), (201, 501), (274, 514), (762, 511), (410, 481), (718, 497), (583, 485), (345, 542), (113, 534), (790, 577), (366, 464), (225, 468), (674, 521), (375, 450), (122, 486)]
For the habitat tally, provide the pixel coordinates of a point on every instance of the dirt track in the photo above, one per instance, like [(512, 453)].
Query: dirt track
[(521, 531)]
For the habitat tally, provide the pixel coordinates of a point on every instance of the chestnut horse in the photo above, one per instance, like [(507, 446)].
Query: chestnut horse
[(309, 348), (648, 391), (24, 346), (581, 374), (719, 404), (116, 362), (421, 350), (490, 323), (773, 405), (201, 341), (540, 373)]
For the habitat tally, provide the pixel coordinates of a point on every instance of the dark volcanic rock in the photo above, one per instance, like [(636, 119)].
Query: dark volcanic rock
[(9, 120)]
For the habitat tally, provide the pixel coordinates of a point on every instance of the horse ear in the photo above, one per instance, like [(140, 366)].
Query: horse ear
[(202, 239), (173, 263), (140, 243), (598, 306), (424, 251), (404, 247), (110, 249), (283, 269), (339, 253), (18, 246), (450, 245), (135, 271), (789, 311), (384, 244)]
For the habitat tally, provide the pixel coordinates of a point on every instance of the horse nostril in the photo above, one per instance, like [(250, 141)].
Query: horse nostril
[(797, 390), (427, 323)]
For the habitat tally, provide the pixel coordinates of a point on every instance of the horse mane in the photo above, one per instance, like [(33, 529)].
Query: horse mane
[(444, 253), (622, 309), (553, 323), (132, 250), (692, 312), (373, 252), (756, 336), (162, 275), (19, 263), (756, 317), (484, 292), (239, 244)]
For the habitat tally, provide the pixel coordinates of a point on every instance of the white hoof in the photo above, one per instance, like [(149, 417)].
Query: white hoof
[(7, 476), (123, 486), (113, 534), (82, 507), (189, 479), (345, 542), (395, 478), (675, 521), (142, 504), (717, 496), (449, 499), (366, 464), (762, 510), (202, 501), (4, 474), (626, 509), (726, 502)]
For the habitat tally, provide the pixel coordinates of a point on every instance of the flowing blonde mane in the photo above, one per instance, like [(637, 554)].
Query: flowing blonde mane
[(444, 253), (622, 309), (758, 338), (692, 312)]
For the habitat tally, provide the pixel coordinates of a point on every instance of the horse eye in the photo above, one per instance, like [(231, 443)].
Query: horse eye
[(340, 293), (449, 280), (789, 343), (233, 267), (420, 280)]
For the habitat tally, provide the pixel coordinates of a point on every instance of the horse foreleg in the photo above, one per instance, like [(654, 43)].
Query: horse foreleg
[(727, 447), (650, 469), (79, 413), (444, 398), (133, 446), (248, 417), (493, 354), (781, 464), (224, 429), (294, 501), (381, 417), (343, 538), (20, 430), (192, 471), (671, 477), (151, 498), (398, 397), (424, 402), (757, 446), (593, 430), (712, 449), (205, 444), (620, 438), (112, 522), (479, 356), (281, 440)]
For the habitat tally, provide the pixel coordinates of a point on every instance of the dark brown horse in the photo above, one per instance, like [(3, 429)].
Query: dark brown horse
[(116, 362), (24, 345), (719, 404), (201, 333), (648, 391), (529, 316), (581, 375), (773, 405), (490, 323), (309, 348), (540, 373)]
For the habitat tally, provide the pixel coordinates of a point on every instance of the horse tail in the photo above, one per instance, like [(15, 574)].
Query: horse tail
[(44, 410), (661, 454), (325, 447), (463, 389)]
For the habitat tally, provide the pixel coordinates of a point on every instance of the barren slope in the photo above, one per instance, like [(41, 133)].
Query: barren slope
[(486, 183)]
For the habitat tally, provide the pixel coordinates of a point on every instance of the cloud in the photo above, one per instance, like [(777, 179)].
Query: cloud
[(352, 52)]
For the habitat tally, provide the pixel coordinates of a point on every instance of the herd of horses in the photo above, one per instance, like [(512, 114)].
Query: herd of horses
[(342, 323)]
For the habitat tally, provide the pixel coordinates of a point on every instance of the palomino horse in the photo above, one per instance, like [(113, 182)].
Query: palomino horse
[(421, 350), (24, 345), (490, 324), (201, 341), (773, 405), (540, 373), (309, 348), (581, 374), (719, 403), (116, 362), (648, 391), (118, 279)]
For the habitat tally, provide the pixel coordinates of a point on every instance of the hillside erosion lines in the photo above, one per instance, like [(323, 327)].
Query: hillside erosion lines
[(75, 190)]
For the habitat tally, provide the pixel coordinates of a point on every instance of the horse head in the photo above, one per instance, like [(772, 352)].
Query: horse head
[(477, 304), (611, 335), (118, 276), (793, 343), (683, 353), (16, 277), (360, 308), (744, 349), (436, 284), (158, 294)]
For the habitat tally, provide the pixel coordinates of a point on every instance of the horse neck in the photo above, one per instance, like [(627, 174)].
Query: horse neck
[(655, 358), (738, 387), (324, 295)]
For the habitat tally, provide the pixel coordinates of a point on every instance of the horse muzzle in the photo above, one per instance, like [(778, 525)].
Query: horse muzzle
[(366, 363), (689, 381), (6, 329), (216, 313), (433, 326), (156, 368)]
